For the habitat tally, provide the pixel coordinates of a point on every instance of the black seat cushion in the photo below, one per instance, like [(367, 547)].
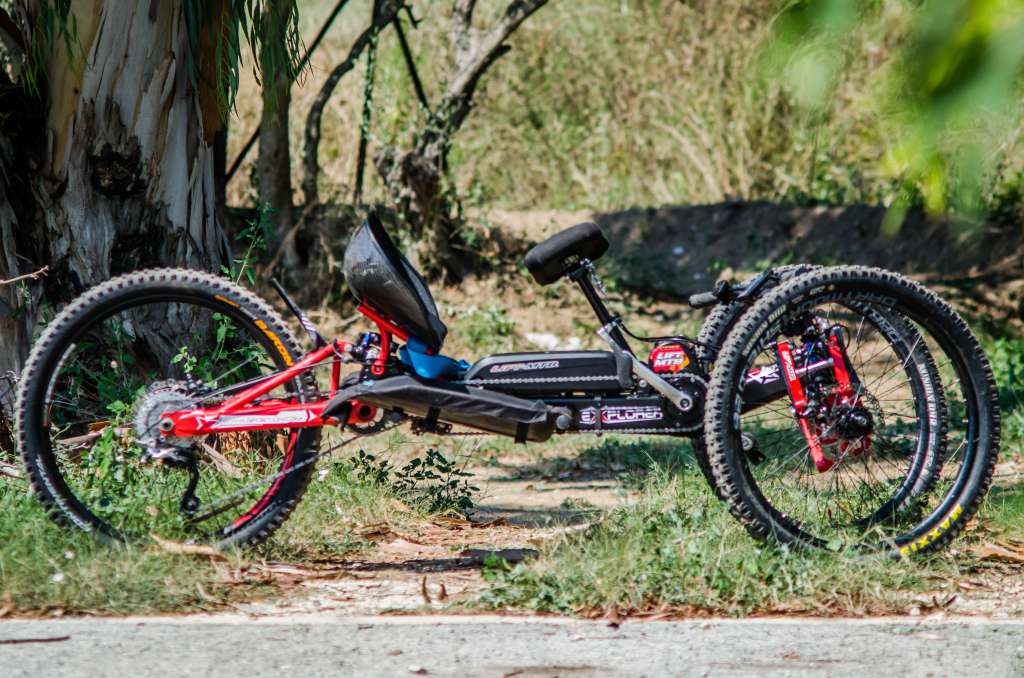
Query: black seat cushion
[(559, 254)]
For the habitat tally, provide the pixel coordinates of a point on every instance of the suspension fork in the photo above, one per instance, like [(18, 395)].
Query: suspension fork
[(797, 395), (847, 387)]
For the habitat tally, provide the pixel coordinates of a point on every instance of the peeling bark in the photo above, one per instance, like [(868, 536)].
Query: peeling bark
[(119, 174)]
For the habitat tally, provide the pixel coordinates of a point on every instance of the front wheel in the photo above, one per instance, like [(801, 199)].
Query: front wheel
[(104, 370), (898, 462)]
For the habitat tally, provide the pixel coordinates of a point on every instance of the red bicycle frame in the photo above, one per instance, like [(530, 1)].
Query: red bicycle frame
[(245, 412)]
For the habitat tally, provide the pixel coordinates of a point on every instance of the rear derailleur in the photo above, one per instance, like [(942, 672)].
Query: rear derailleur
[(180, 458)]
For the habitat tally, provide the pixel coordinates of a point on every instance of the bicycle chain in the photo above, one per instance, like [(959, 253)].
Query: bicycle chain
[(225, 501)]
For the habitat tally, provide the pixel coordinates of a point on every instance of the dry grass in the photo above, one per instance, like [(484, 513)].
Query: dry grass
[(616, 103)]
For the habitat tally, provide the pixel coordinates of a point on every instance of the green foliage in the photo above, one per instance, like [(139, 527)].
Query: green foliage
[(484, 329), (253, 236), (434, 482), (43, 566), (1007, 357), (678, 547), (952, 94), (269, 29), (654, 103)]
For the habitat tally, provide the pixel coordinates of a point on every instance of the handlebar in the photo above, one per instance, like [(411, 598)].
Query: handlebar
[(726, 292), (703, 300)]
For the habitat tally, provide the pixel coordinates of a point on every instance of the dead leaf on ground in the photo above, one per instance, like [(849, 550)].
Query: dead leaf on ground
[(1000, 552), (497, 522), (180, 548), (374, 532), (451, 522)]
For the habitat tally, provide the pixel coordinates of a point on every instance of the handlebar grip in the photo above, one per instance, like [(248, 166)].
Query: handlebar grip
[(703, 300)]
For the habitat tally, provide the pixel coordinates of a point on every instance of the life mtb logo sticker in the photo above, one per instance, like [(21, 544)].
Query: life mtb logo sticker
[(669, 359), (621, 415), (525, 367)]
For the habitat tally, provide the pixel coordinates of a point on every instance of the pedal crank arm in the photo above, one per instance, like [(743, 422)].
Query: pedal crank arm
[(681, 400)]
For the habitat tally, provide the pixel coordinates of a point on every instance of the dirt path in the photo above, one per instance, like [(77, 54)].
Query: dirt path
[(524, 503), (431, 565)]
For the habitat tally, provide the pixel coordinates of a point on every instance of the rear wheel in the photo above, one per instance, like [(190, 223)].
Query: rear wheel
[(107, 367), (911, 473)]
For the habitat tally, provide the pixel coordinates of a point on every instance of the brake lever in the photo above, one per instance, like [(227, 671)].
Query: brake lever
[(726, 292), (753, 288)]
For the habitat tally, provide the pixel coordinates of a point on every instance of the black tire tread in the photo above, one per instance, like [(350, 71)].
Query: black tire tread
[(720, 395), (35, 366)]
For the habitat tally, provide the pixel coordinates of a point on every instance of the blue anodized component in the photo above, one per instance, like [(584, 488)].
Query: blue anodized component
[(427, 366)]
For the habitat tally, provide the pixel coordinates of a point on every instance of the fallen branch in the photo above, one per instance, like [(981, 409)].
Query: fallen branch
[(220, 462), (28, 276), (11, 471), (179, 548)]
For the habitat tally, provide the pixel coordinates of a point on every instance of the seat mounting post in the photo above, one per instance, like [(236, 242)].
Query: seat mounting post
[(584, 275)]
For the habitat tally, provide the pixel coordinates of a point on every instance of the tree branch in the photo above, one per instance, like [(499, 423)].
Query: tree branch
[(384, 12), (462, 26), (481, 54), (28, 276), (10, 35)]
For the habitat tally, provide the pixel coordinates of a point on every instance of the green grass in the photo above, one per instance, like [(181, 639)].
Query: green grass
[(678, 549), (617, 103), (44, 568)]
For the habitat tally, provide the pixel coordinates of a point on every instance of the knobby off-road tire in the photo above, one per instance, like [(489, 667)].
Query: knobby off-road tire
[(963, 486), (265, 329), (724, 317), (716, 327)]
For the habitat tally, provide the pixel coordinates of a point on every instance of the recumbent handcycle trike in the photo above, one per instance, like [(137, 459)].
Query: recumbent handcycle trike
[(827, 406)]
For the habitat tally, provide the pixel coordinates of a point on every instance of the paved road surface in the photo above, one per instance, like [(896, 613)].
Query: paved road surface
[(491, 646)]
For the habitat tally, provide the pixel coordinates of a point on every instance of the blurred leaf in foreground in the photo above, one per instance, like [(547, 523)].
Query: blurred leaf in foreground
[(952, 95)]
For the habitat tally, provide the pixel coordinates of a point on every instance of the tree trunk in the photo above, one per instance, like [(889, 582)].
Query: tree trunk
[(121, 176), (273, 167)]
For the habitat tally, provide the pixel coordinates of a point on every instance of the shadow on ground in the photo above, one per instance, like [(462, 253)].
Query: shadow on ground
[(671, 252), (627, 460)]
